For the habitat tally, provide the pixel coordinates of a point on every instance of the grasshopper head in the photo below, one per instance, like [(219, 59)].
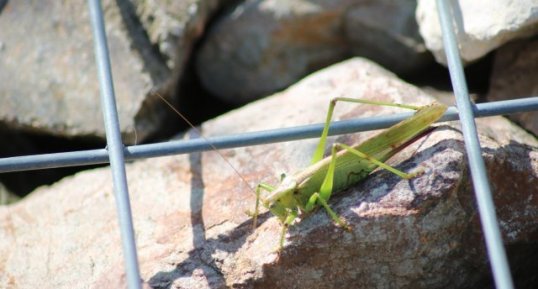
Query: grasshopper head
[(281, 201)]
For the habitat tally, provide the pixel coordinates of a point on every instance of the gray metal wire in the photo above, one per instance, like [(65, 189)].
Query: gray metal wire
[(484, 199), (114, 144), (100, 156), (118, 154)]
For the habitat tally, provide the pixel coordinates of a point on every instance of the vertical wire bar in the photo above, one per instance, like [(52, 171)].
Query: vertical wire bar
[(484, 199), (115, 145)]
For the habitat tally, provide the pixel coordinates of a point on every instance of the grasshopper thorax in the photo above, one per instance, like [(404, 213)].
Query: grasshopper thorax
[(286, 187), (281, 200)]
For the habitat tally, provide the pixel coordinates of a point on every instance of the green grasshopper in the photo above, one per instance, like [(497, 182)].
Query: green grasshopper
[(312, 187), (306, 190)]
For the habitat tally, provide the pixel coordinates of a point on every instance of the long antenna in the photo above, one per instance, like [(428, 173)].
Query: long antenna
[(205, 139)]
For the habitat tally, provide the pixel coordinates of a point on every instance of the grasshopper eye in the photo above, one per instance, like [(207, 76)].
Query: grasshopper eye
[(282, 176)]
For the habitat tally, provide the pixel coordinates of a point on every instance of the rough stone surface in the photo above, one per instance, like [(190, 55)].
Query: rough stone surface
[(260, 47), (49, 78), (48, 75), (192, 232), (481, 26), (174, 26), (387, 33), (514, 76)]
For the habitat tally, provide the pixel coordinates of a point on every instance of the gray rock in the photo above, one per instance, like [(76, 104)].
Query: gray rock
[(192, 233), (481, 26), (387, 33), (48, 68), (263, 46), (174, 26), (514, 76), (49, 75)]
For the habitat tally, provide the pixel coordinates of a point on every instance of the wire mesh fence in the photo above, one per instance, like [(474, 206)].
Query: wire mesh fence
[(117, 154)]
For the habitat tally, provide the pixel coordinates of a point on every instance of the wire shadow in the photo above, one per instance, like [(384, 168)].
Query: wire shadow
[(200, 260)]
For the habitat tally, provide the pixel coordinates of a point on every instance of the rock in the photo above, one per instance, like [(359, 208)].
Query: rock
[(514, 76), (174, 29), (387, 33), (49, 75), (7, 197), (192, 232), (174, 26), (48, 66), (263, 46), (482, 25)]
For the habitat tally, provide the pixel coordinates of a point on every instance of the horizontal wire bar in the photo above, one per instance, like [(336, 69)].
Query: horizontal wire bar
[(100, 156)]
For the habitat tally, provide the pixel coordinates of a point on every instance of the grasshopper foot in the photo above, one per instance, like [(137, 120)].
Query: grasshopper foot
[(417, 173), (254, 217), (278, 253), (344, 224)]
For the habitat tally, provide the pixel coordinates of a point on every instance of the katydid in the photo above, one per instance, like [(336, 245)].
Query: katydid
[(313, 186)]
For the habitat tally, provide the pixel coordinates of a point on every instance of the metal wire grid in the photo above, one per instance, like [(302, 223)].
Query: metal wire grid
[(100, 156), (116, 153)]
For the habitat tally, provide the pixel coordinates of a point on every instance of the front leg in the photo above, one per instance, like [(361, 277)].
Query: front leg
[(254, 215), (292, 215)]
